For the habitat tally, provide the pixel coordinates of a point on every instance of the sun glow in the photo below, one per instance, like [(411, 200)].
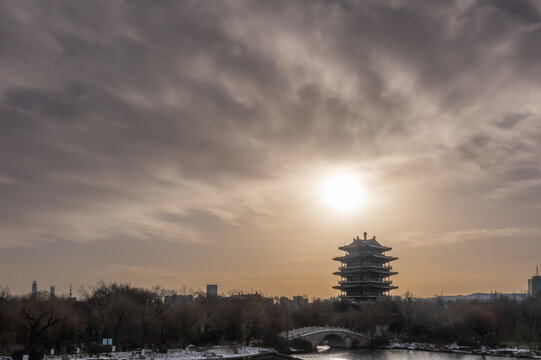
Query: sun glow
[(343, 192)]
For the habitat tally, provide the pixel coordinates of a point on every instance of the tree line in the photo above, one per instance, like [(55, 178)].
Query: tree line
[(136, 317)]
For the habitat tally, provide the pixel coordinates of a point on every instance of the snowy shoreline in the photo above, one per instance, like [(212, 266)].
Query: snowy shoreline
[(453, 348), (244, 352), (189, 353)]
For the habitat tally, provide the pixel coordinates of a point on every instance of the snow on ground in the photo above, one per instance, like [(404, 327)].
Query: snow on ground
[(454, 348), (190, 353)]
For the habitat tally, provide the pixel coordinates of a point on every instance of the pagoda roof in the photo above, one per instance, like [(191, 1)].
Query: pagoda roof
[(354, 298), (366, 269), (347, 257), (365, 243), (373, 242), (352, 285)]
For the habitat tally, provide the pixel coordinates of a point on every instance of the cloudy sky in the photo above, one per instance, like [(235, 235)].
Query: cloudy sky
[(187, 142)]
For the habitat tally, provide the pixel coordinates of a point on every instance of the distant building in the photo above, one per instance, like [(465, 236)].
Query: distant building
[(329, 300), (283, 300), (51, 291), (177, 299), (365, 272), (34, 288), (534, 284), (212, 290), (251, 297), (299, 301), (294, 303), (478, 297)]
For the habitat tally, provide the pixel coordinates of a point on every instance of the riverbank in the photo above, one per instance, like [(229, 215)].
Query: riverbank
[(424, 347), (189, 353), (260, 353), (455, 349)]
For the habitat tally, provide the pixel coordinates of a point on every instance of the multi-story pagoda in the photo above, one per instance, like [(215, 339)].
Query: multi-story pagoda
[(365, 272)]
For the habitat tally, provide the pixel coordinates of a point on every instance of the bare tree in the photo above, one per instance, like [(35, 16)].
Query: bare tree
[(36, 321)]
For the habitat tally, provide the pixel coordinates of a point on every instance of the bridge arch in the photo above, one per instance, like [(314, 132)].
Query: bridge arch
[(334, 337), (333, 340)]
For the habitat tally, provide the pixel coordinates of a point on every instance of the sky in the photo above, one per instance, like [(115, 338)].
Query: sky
[(188, 143)]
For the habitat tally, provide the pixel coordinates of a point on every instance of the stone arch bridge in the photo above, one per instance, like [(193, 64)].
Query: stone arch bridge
[(332, 336)]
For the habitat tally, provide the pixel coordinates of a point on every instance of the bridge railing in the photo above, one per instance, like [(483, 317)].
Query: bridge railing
[(300, 332)]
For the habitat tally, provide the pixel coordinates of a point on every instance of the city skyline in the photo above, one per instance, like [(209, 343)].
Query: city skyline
[(203, 289), (199, 288), (241, 143)]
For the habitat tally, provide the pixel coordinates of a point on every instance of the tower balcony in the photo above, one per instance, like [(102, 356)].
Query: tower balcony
[(354, 283), (352, 291), (364, 265), (345, 272)]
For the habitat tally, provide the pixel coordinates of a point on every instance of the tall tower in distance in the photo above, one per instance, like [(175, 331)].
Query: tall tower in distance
[(34, 288), (534, 284), (365, 271), (71, 297)]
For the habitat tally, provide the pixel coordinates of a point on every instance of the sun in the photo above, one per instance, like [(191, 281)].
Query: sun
[(343, 192)]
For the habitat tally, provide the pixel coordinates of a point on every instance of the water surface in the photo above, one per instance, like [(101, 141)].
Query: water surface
[(370, 354)]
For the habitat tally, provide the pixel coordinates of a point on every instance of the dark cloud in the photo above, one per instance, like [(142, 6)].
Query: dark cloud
[(526, 11), (162, 119), (510, 120), (523, 174)]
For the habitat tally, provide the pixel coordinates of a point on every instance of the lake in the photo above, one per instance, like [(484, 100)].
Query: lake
[(372, 354)]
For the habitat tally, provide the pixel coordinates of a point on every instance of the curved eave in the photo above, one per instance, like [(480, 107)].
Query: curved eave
[(356, 245), (377, 288), (359, 268), (345, 272), (360, 297), (345, 258), (385, 257), (367, 284)]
